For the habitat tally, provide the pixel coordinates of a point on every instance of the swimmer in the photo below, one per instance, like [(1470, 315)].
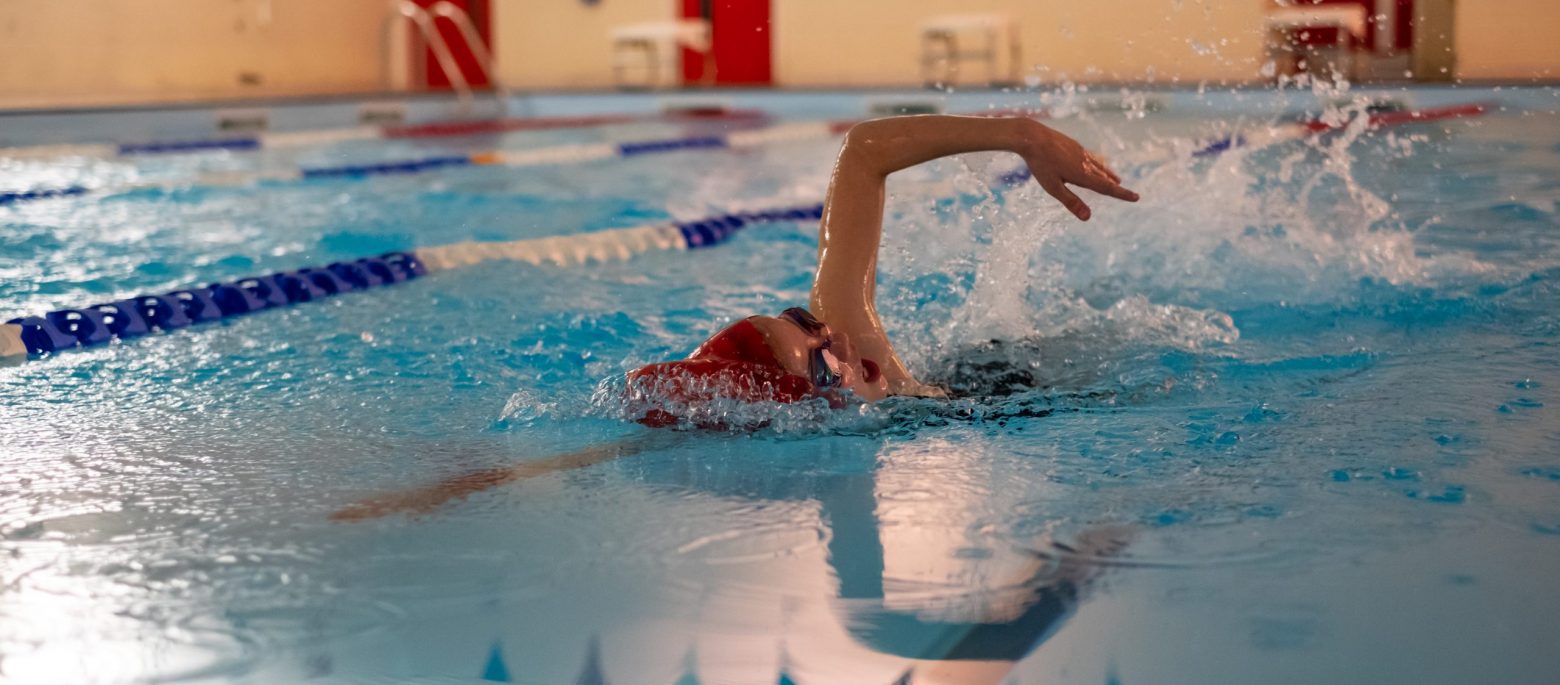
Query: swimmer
[(837, 346), (834, 349)]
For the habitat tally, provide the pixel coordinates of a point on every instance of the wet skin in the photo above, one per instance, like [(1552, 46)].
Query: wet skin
[(845, 288), (794, 347), (844, 291)]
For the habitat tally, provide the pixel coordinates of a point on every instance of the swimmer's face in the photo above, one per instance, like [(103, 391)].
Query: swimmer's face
[(808, 348)]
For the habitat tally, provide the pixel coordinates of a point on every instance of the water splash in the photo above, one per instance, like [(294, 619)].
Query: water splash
[(1286, 221)]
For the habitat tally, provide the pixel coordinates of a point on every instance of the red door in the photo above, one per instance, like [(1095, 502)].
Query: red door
[(1404, 31), (740, 39), (1401, 30), (465, 59)]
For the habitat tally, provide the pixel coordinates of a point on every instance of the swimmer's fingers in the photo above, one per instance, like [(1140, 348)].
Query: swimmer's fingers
[(1054, 186), (1057, 188), (1066, 162), (1107, 188), (1102, 165), (1099, 178)]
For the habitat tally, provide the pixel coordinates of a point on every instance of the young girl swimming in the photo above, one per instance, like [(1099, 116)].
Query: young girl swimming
[(838, 344), (836, 348)]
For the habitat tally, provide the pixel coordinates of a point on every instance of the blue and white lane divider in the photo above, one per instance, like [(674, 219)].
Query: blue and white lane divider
[(308, 137), (96, 324), (14, 197), (267, 141), (93, 325), (552, 155), (590, 152), (782, 133)]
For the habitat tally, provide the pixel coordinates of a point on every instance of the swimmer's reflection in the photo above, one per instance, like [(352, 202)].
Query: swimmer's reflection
[(1018, 612), (976, 637)]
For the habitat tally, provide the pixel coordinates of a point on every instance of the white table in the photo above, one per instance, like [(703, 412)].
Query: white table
[(1347, 20), (942, 37), (656, 43)]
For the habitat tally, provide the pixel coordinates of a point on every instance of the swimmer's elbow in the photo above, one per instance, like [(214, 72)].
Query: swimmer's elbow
[(865, 148)]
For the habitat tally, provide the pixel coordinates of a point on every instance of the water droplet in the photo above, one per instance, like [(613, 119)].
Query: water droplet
[(1399, 473)]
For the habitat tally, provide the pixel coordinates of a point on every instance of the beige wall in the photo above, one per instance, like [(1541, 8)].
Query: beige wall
[(1507, 39), (563, 43), (55, 52), (858, 42), (102, 51)]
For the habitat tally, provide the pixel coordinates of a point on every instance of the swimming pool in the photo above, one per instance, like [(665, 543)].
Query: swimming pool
[(1297, 425)]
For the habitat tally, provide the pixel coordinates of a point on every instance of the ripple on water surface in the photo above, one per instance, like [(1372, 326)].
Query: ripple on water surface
[(1294, 387)]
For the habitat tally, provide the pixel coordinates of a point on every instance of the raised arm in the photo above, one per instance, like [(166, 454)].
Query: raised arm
[(845, 290)]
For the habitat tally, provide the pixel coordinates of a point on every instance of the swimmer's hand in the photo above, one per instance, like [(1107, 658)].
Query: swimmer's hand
[(1056, 161)]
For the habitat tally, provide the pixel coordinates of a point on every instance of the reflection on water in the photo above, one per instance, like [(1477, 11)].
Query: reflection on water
[(1296, 404), (919, 579)]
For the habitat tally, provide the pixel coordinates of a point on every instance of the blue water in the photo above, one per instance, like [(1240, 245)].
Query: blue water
[(1295, 423)]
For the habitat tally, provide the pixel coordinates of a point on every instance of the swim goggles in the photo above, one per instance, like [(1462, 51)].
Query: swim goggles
[(822, 366)]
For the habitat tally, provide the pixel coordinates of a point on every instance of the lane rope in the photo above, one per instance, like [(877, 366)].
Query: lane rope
[(80, 327), (589, 152), (781, 133), (96, 324), (64, 329), (15, 197), (544, 156), (309, 137)]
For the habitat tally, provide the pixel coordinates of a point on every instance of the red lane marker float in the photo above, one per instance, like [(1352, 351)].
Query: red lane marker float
[(466, 128), (1381, 119)]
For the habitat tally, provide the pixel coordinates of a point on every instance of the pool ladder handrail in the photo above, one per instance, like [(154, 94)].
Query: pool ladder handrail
[(423, 19)]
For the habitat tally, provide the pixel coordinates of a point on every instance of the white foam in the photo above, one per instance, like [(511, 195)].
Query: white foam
[(1282, 222)]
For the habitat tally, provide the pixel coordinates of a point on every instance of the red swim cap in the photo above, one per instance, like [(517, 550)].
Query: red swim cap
[(735, 364)]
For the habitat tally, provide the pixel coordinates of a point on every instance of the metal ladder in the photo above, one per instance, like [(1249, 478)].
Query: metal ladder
[(423, 19)]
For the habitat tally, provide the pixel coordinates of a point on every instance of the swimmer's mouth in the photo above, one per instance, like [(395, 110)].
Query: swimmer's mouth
[(873, 373)]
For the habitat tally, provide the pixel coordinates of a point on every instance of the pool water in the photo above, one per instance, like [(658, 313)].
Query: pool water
[(1293, 421)]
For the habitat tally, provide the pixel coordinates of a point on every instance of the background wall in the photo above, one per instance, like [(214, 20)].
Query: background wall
[(1507, 39), (876, 42), (563, 43), (856, 42), (105, 51), (64, 52)]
